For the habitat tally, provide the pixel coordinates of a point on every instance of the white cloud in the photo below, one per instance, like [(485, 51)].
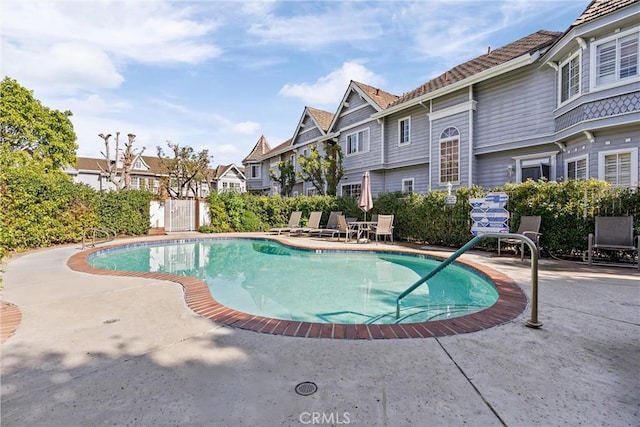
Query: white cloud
[(61, 68), (246, 128), (329, 89), (339, 22), (73, 46)]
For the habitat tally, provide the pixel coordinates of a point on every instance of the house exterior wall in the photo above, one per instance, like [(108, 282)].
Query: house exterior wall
[(417, 150), (508, 123), (515, 109), (460, 121)]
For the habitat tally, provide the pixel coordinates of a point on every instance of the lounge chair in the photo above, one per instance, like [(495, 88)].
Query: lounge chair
[(312, 224), (614, 233), (330, 229), (384, 227), (529, 227), (344, 228), (294, 222)]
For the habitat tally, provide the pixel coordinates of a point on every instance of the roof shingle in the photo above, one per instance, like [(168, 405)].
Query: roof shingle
[(525, 45), (599, 8)]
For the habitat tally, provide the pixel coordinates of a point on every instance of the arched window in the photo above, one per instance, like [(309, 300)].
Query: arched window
[(450, 155)]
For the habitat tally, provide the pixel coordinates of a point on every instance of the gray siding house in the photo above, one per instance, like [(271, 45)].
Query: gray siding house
[(551, 105)]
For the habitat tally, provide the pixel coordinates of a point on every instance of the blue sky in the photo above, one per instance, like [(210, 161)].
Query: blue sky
[(218, 74)]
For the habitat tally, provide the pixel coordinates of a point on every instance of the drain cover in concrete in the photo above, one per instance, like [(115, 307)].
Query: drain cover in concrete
[(306, 388)]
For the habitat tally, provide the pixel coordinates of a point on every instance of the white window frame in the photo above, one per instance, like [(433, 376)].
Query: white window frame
[(401, 131), (406, 181), (351, 187), (361, 141), (576, 160), (548, 157), (447, 139), (567, 63), (312, 191), (253, 168), (616, 81), (633, 179)]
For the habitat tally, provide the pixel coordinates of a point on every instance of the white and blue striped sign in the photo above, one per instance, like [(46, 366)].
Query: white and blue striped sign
[(489, 214)]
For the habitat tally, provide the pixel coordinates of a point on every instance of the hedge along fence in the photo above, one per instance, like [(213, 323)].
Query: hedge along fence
[(567, 211), (40, 209)]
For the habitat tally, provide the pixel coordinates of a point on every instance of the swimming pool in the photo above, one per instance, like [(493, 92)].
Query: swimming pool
[(268, 279)]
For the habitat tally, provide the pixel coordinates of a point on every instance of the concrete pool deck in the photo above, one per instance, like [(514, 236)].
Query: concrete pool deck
[(103, 350)]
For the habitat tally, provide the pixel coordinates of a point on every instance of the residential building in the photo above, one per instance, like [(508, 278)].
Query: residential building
[(550, 105), (147, 173)]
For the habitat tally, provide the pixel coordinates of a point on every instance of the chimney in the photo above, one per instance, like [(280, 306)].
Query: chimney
[(377, 91), (488, 50)]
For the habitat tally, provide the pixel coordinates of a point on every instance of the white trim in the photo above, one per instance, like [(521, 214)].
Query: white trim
[(430, 146), (357, 133), (351, 110), (413, 183), (593, 87), (575, 159), (457, 138), (456, 109), (634, 163), (514, 64), (470, 144), (400, 131), (561, 65), (535, 159)]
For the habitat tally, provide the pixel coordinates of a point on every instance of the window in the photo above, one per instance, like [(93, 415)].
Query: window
[(255, 171), (137, 164), (576, 169), (536, 166), (619, 167), (358, 142), (311, 192), (407, 185), (616, 59), (570, 78), (404, 131), (450, 155), (351, 190)]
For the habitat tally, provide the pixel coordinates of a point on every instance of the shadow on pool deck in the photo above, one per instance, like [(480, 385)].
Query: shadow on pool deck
[(103, 350)]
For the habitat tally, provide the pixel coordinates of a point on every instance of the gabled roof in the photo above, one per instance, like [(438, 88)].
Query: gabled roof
[(322, 118), (377, 98), (280, 148), (94, 164), (380, 97), (221, 170), (525, 45), (259, 150), (600, 8)]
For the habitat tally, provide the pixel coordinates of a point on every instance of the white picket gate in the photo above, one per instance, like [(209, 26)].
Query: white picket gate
[(179, 215)]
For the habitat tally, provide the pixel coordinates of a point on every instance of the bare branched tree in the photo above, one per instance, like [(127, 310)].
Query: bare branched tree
[(118, 168), (185, 170)]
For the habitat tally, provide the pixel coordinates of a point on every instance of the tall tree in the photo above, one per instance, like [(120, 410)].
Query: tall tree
[(323, 172), (25, 124), (285, 177), (118, 167), (185, 170)]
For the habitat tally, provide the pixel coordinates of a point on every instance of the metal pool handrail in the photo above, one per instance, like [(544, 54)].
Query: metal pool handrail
[(533, 322), (108, 236)]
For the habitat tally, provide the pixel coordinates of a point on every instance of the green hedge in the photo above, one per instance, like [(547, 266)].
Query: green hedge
[(41, 208), (567, 211)]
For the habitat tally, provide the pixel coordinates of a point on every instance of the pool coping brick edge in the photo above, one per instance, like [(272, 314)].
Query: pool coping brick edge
[(510, 304)]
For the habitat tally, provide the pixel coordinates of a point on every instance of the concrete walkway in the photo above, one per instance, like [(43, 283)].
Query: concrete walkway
[(98, 350)]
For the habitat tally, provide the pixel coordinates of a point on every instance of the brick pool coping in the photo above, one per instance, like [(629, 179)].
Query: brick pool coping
[(511, 303), (10, 318)]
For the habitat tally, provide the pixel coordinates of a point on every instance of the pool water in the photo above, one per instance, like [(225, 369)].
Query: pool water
[(266, 278)]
